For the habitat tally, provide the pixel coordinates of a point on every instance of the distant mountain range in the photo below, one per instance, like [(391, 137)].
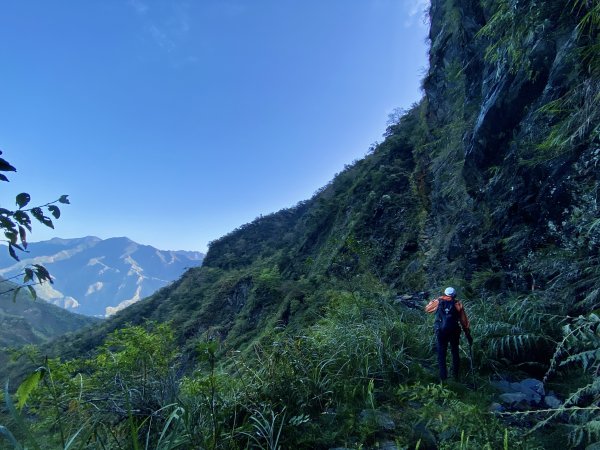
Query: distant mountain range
[(99, 277)]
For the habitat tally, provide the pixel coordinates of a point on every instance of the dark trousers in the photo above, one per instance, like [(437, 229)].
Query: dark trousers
[(442, 348)]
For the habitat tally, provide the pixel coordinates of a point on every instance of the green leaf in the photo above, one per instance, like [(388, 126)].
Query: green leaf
[(64, 199), (23, 199), (7, 224), (23, 218), (54, 211), (11, 251), (28, 275), (3, 177), (32, 292), (28, 386), (72, 438), (39, 215), (23, 236), (15, 293), (42, 274), (12, 236), (5, 166)]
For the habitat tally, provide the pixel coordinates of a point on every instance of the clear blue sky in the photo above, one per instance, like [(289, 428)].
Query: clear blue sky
[(173, 122)]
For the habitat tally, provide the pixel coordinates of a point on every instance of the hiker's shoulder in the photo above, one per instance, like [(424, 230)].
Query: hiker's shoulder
[(432, 305)]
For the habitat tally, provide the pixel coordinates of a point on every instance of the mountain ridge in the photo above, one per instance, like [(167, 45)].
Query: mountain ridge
[(100, 276)]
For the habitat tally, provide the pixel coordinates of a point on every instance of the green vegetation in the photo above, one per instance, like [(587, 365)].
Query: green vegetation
[(26, 321), (292, 334), (356, 370)]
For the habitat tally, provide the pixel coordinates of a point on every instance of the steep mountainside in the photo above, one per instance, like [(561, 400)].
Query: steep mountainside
[(28, 321), (99, 277), (25, 321), (489, 183)]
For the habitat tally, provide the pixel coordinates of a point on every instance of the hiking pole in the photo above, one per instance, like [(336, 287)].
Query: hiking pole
[(472, 366)]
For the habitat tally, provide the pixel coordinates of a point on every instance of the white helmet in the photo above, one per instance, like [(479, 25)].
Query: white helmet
[(450, 291)]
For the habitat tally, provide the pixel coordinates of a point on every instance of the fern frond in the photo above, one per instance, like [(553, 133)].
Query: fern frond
[(589, 430), (587, 359), (584, 333), (591, 390), (517, 345)]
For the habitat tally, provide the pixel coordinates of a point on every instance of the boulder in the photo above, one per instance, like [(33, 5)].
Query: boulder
[(525, 394), (533, 385), (382, 420), (515, 400), (496, 408), (552, 401)]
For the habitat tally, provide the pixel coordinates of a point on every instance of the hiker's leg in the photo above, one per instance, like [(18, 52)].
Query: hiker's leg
[(454, 340), (442, 347)]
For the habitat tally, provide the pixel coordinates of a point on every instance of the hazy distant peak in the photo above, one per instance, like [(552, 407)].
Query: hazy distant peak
[(96, 276), (71, 241)]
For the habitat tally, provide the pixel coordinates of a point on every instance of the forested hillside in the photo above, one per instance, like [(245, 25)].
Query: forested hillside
[(24, 320), (304, 328)]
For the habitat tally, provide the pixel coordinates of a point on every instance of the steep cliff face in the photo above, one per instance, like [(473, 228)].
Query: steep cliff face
[(513, 179)]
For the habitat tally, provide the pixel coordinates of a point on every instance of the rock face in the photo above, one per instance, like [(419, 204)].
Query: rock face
[(493, 178), (99, 277)]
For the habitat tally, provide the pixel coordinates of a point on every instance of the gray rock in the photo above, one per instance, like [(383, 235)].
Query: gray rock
[(379, 418), (552, 402), (515, 400), (496, 408), (534, 385), (531, 390)]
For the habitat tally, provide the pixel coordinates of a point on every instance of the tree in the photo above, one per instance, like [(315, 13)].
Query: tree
[(16, 223)]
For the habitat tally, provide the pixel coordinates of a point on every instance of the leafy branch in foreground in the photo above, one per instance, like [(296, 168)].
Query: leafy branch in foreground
[(15, 224)]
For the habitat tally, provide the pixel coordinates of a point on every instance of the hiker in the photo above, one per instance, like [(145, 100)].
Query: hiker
[(449, 318)]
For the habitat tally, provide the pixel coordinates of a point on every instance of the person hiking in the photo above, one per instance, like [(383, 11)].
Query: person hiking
[(450, 316)]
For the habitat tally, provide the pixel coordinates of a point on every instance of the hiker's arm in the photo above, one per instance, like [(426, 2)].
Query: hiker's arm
[(432, 306), (464, 320)]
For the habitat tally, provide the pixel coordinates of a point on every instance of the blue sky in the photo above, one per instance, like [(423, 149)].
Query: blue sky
[(174, 122)]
